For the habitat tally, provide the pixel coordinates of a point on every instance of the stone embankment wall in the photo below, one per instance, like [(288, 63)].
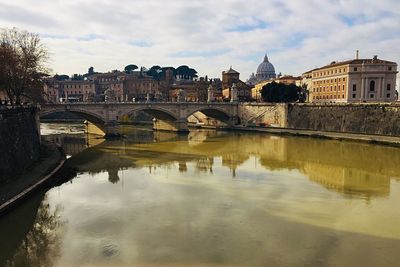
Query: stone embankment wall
[(383, 119), (266, 114), (19, 140)]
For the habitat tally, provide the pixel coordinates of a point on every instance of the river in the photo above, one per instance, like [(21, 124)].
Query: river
[(210, 199)]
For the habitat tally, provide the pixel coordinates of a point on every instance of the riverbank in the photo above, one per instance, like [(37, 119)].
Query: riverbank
[(367, 138), (14, 189)]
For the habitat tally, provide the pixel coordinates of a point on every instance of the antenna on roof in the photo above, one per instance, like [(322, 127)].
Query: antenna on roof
[(357, 53)]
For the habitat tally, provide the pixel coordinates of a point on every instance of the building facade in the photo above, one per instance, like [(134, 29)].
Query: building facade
[(357, 80), (231, 77), (194, 91), (122, 86), (142, 87), (76, 91)]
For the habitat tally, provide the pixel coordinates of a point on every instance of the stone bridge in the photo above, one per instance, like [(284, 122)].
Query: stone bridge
[(171, 116)]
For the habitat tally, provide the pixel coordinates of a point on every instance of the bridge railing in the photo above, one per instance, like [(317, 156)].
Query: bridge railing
[(139, 103)]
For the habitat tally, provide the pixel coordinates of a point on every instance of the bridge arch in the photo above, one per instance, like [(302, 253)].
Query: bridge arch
[(158, 113), (214, 113), (91, 117)]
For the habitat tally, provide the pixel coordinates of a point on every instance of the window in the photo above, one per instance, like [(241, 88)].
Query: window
[(371, 96), (355, 69), (388, 95), (354, 95), (390, 68), (372, 86), (342, 96), (354, 87), (388, 86)]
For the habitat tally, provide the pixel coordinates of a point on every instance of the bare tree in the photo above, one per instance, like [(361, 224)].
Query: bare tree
[(22, 65)]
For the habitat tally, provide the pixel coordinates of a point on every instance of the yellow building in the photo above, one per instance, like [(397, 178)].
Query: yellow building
[(287, 79), (357, 80)]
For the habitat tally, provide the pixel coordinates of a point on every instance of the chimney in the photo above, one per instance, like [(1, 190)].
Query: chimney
[(357, 52)]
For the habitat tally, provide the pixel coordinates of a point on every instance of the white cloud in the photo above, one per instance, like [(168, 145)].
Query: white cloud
[(208, 35)]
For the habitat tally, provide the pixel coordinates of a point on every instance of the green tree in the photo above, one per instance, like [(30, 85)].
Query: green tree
[(279, 92), (130, 68), (155, 72), (77, 77), (22, 61), (61, 77), (185, 72)]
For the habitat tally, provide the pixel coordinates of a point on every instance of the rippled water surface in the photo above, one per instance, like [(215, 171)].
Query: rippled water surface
[(211, 199)]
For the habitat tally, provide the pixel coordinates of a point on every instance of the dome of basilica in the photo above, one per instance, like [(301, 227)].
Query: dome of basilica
[(265, 70)]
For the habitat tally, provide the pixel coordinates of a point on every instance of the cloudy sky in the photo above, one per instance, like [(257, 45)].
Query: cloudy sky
[(208, 35)]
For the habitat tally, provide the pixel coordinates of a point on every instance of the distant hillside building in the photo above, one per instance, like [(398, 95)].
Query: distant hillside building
[(193, 91), (76, 91), (135, 86), (356, 80)]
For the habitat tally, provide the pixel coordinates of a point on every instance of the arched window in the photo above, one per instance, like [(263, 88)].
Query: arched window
[(372, 86)]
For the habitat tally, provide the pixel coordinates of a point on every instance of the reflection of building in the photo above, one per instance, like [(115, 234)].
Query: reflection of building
[(231, 77), (347, 180), (356, 80)]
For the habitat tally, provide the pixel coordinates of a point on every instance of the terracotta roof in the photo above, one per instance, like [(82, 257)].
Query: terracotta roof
[(288, 77), (354, 61), (231, 71)]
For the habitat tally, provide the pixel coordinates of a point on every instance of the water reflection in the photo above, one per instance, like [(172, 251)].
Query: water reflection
[(215, 199), (31, 235), (345, 167)]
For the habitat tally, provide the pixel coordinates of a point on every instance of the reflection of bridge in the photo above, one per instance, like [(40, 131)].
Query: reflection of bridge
[(168, 115)]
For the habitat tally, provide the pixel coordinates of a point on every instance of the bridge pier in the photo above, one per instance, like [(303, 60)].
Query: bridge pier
[(235, 120), (111, 129), (179, 126)]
